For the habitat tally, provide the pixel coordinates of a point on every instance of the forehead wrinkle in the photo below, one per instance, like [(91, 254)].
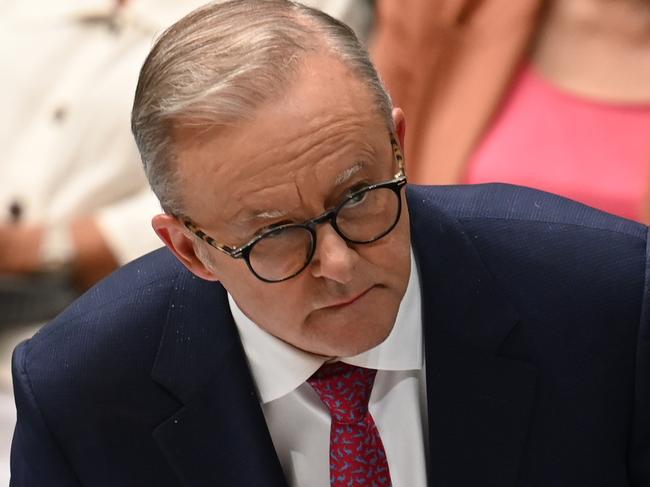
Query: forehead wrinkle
[(333, 135), (253, 203)]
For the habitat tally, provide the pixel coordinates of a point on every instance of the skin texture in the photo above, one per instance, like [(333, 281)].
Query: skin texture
[(597, 48), (287, 159)]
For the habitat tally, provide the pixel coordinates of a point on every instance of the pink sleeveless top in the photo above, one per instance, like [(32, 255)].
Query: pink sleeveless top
[(591, 151)]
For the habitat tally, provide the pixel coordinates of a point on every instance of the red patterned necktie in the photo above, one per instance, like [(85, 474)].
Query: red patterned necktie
[(357, 456)]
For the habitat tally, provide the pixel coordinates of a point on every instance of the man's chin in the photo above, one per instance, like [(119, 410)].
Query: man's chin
[(349, 346)]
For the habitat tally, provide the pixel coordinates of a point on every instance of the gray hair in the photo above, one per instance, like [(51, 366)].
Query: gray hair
[(218, 64)]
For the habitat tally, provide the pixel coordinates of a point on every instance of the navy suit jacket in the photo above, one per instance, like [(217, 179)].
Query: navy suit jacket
[(537, 338)]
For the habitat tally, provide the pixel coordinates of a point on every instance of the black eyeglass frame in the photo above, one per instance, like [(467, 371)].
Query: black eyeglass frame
[(243, 251)]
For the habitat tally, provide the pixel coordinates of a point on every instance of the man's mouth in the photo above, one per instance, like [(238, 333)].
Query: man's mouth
[(348, 301)]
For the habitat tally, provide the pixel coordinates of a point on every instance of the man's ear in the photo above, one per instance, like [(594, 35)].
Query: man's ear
[(178, 239), (399, 122)]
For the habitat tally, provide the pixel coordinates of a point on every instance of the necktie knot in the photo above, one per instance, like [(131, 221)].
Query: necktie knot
[(345, 390)]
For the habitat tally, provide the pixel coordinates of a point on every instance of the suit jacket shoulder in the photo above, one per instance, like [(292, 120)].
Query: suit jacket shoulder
[(538, 305), (84, 385)]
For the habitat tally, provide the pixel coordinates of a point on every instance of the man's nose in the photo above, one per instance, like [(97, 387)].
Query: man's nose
[(333, 258)]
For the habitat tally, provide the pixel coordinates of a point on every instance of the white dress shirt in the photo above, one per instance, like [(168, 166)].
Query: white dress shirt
[(299, 422)]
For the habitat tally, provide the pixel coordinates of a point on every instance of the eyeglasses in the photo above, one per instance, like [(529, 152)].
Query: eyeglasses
[(282, 252)]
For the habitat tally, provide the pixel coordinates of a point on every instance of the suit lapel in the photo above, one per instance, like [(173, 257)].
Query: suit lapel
[(479, 402), (219, 435)]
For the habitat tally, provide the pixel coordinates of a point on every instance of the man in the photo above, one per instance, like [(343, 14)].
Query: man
[(508, 326)]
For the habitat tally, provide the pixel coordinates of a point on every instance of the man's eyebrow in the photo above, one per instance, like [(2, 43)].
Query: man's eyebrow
[(269, 214), (263, 215), (348, 173)]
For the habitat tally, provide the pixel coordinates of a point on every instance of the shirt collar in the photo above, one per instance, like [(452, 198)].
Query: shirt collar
[(279, 368)]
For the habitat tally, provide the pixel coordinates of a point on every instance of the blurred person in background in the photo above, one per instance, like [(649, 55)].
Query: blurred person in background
[(549, 94), (74, 202)]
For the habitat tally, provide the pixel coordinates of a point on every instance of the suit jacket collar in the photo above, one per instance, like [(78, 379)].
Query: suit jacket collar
[(479, 402)]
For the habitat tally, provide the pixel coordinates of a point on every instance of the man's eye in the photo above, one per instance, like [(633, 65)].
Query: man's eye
[(359, 186), (356, 199)]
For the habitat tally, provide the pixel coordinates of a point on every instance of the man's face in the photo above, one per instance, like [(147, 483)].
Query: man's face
[(297, 158)]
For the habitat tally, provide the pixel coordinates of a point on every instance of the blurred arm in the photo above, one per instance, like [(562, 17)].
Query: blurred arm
[(113, 236)]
